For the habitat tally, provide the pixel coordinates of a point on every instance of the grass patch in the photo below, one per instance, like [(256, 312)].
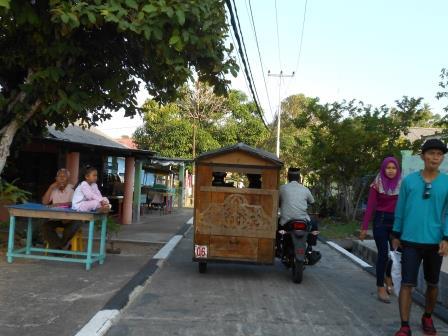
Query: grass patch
[(332, 229)]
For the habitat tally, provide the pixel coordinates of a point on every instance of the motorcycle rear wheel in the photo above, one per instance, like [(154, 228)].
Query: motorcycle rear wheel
[(297, 271)]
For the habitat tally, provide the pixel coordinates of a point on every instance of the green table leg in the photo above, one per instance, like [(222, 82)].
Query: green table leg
[(89, 246), (103, 239), (29, 236), (12, 228)]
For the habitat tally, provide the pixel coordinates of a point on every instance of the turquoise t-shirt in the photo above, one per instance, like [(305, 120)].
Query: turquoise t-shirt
[(420, 220)]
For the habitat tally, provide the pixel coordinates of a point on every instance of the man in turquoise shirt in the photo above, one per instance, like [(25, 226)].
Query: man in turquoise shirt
[(421, 229)]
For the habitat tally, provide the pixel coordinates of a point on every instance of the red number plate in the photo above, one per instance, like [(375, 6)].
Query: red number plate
[(200, 251)]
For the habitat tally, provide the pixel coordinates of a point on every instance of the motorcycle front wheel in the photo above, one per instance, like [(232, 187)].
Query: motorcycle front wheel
[(297, 271)]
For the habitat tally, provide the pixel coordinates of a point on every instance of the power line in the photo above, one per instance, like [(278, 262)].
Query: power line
[(299, 54), (259, 55), (239, 61), (245, 51), (301, 37), (278, 35), (245, 62), (280, 76)]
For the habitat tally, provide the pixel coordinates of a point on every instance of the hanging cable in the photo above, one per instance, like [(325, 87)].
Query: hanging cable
[(278, 36), (245, 62), (299, 54), (301, 37), (245, 50), (259, 56)]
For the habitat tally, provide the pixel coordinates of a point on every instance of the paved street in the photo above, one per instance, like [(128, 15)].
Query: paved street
[(43, 298), (335, 298)]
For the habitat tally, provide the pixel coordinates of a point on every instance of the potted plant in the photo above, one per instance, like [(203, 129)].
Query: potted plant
[(10, 194), (113, 227)]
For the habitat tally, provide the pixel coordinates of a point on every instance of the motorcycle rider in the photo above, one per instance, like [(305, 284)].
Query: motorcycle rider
[(294, 201)]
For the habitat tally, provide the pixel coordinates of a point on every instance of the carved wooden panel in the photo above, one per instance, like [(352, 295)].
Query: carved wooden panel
[(236, 217)]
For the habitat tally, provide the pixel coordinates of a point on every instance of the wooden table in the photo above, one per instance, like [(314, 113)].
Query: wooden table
[(34, 210)]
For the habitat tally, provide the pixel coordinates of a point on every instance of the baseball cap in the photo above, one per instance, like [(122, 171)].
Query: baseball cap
[(434, 144)]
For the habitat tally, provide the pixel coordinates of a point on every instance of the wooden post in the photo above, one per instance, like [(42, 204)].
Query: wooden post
[(72, 164), (137, 191), (128, 192), (180, 202)]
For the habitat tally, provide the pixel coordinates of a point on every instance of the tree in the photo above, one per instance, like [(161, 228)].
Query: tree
[(240, 122), (77, 60), (349, 141), (200, 104), (443, 84), (168, 131), (293, 140)]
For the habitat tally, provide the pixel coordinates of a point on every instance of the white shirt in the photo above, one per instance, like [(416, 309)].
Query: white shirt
[(294, 200)]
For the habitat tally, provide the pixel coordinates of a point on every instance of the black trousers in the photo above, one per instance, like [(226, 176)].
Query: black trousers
[(51, 236)]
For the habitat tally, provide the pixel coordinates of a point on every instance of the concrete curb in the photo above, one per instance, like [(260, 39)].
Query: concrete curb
[(101, 322), (440, 311)]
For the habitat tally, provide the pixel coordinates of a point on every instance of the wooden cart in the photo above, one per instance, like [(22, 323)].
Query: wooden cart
[(232, 223)]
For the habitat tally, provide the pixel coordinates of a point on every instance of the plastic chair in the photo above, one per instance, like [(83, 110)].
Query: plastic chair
[(76, 243)]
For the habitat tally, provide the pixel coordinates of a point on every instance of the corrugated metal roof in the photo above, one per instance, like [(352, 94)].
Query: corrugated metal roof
[(92, 137), (85, 136), (245, 148)]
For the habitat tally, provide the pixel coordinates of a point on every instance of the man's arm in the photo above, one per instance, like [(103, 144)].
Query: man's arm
[(399, 211), (46, 199), (310, 198)]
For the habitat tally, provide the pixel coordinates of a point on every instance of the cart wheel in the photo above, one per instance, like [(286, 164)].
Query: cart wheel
[(202, 267), (297, 271)]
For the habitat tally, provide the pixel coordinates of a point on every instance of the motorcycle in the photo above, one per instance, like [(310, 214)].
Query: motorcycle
[(292, 247)]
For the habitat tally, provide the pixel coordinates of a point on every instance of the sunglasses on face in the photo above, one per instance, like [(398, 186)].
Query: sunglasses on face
[(427, 191)]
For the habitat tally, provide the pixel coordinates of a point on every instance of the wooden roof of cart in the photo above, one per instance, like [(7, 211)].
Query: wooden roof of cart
[(260, 154)]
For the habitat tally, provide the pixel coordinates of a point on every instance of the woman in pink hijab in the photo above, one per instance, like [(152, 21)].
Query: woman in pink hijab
[(381, 204)]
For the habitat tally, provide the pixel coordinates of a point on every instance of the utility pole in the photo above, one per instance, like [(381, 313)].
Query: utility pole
[(280, 76)]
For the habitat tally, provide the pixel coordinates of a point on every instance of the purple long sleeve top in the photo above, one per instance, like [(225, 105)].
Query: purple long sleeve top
[(378, 202)]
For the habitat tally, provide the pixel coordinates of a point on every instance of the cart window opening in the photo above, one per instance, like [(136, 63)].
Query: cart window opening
[(237, 180)]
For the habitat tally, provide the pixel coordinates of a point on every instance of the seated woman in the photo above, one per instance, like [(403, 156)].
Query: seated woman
[(87, 196), (59, 194)]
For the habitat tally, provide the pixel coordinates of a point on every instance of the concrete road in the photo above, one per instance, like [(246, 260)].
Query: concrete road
[(335, 298), (43, 298)]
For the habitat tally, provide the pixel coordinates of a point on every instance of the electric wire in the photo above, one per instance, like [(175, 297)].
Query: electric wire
[(299, 54), (245, 51), (278, 36), (240, 63), (259, 55), (244, 61)]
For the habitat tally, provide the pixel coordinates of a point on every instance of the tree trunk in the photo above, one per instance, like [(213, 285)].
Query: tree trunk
[(9, 131), (358, 199), (194, 140)]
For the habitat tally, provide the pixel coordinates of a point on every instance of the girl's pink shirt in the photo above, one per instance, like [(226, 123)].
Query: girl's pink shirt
[(378, 202)]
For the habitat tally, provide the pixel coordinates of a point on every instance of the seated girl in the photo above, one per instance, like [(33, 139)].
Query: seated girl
[(87, 196)]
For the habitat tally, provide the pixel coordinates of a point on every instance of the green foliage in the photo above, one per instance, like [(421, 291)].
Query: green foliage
[(332, 229), (168, 129), (79, 60), (443, 85), (113, 227), (339, 146), (11, 194)]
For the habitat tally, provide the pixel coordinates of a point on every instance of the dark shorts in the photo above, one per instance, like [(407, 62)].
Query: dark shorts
[(411, 260)]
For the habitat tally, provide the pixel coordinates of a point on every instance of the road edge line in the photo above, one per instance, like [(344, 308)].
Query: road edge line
[(103, 320)]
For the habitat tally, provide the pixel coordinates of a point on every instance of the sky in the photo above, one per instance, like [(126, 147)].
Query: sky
[(374, 51)]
